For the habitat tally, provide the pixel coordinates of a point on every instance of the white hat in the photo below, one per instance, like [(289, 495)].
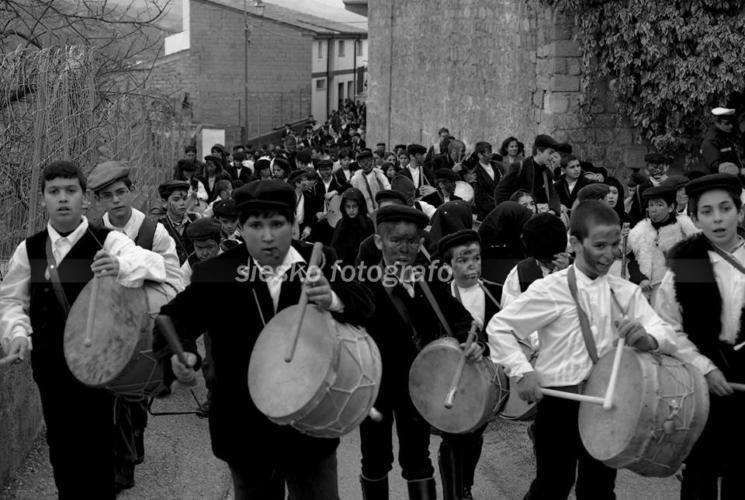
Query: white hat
[(722, 112)]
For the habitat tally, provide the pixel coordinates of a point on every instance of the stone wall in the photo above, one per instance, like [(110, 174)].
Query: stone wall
[(486, 69)]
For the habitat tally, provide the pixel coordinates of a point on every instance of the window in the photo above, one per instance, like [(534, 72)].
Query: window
[(341, 48), (350, 89), (321, 84), (341, 95), (320, 49), (358, 46)]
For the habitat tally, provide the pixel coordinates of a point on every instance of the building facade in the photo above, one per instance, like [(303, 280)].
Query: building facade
[(339, 72)]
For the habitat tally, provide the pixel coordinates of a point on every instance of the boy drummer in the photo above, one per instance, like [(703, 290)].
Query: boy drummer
[(702, 296), (45, 276), (459, 453), (259, 278), (573, 333)]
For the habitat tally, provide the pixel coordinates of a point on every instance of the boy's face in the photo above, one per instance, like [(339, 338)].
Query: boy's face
[(466, 264), (206, 249), (399, 244), (681, 197), (228, 225), (596, 253), (267, 238), (116, 199), (529, 203), (542, 157), (279, 172), (657, 171), (717, 216), (325, 173), (366, 164), (351, 208), (176, 204), (63, 199), (191, 155), (403, 159), (447, 187), (659, 210), (573, 170)]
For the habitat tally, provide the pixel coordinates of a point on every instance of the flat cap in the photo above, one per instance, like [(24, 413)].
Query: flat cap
[(676, 181), (365, 153), (225, 208), (446, 174), (401, 213), (165, 189), (657, 159), (267, 194), (545, 141), (390, 194), (663, 191), (458, 238), (714, 181), (213, 158), (295, 175), (594, 191), (544, 235), (204, 229), (415, 149), (564, 148), (105, 174), (324, 163)]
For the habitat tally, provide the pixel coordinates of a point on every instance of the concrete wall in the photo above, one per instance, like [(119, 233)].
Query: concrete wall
[(20, 417), (490, 69)]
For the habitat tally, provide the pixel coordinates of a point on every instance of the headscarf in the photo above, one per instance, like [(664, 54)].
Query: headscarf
[(449, 218), (503, 226), (619, 208), (349, 232)]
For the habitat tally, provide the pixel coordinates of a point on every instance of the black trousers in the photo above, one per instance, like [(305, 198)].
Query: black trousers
[(561, 458), (413, 440), (465, 450), (309, 480), (80, 430), (129, 438)]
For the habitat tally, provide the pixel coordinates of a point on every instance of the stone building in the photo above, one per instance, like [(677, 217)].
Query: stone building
[(203, 69), (486, 69)]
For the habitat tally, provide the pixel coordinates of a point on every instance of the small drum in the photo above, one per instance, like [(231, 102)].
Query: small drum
[(120, 357), (481, 394), (464, 191), (659, 411), (517, 408), (330, 385), (333, 210)]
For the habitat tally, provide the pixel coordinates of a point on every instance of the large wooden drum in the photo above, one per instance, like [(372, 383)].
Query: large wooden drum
[(517, 408), (660, 409), (330, 385), (120, 355), (481, 394)]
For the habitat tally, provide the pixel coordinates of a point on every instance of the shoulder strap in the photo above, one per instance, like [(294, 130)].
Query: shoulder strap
[(401, 309), (146, 234), (731, 260), (54, 278), (489, 295), (584, 323), (436, 307)]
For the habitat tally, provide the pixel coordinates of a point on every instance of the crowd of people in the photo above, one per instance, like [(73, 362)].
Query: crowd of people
[(540, 247)]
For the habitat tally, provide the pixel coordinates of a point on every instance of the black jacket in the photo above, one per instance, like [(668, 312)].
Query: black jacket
[(483, 197), (718, 147), (533, 178), (565, 196), (238, 179), (237, 428)]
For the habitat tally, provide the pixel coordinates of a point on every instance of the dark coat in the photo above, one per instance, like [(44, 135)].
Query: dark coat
[(483, 197), (342, 180), (244, 177), (566, 197), (638, 206), (237, 428), (211, 194), (349, 233), (718, 147), (530, 177), (424, 180), (435, 199)]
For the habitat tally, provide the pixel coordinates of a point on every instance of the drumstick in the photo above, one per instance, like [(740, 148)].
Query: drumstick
[(623, 252), (582, 398), (315, 259), (459, 369), (88, 340), (737, 387), (375, 415), (608, 401), (165, 325)]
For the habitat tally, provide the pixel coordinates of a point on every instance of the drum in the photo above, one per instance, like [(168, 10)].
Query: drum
[(330, 385), (517, 408), (481, 394), (333, 210), (660, 409), (120, 355), (464, 191)]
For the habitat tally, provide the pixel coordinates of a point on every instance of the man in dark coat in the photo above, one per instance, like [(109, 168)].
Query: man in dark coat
[(445, 179), (720, 143), (488, 174), (658, 165)]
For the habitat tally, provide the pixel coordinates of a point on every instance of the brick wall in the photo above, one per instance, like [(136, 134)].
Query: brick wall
[(491, 69)]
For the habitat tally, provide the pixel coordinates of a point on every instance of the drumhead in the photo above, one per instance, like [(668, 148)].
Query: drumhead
[(286, 391), (120, 316), (607, 433), (464, 191)]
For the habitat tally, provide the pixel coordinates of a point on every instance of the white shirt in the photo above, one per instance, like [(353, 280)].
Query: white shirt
[(489, 169), (548, 308), (731, 283), (377, 181), (473, 299), (135, 266), (415, 175), (511, 287), (163, 245)]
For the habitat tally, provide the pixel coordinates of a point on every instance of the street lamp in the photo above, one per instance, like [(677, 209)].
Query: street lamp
[(258, 6)]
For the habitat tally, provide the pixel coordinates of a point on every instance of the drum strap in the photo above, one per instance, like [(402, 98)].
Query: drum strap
[(401, 308), (731, 260), (584, 322), (54, 278), (436, 307)]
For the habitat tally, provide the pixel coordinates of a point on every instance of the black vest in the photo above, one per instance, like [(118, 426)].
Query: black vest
[(47, 315), (528, 271), (698, 295)]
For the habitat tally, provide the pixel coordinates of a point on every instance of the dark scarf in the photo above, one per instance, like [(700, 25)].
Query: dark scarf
[(503, 226)]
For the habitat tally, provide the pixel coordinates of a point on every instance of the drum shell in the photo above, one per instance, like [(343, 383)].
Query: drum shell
[(516, 408), (345, 378), (480, 396), (652, 390), (464, 190)]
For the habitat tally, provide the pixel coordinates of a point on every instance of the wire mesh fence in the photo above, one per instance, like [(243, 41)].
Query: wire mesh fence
[(60, 103)]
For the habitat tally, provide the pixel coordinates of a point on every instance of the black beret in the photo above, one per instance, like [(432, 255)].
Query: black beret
[(324, 163), (204, 229), (694, 174), (545, 141), (213, 158), (415, 149), (365, 153), (714, 181), (165, 189), (657, 159), (400, 146), (544, 235), (446, 174), (267, 194), (462, 237), (225, 208), (664, 191), (676, 181), (401, 213), (390, 194), (107, 173), (594, 191), (295, 175), (564, 148)]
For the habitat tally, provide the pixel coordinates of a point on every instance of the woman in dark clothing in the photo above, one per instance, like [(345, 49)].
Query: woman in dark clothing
[(615, 198), (501, 245), (449, 218), (213, 172), (353, 227)]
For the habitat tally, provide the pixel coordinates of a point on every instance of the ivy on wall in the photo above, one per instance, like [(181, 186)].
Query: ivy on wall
[(667, 62)]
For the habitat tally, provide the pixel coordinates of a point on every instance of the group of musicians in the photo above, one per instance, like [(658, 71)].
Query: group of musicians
[(565, 299)]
